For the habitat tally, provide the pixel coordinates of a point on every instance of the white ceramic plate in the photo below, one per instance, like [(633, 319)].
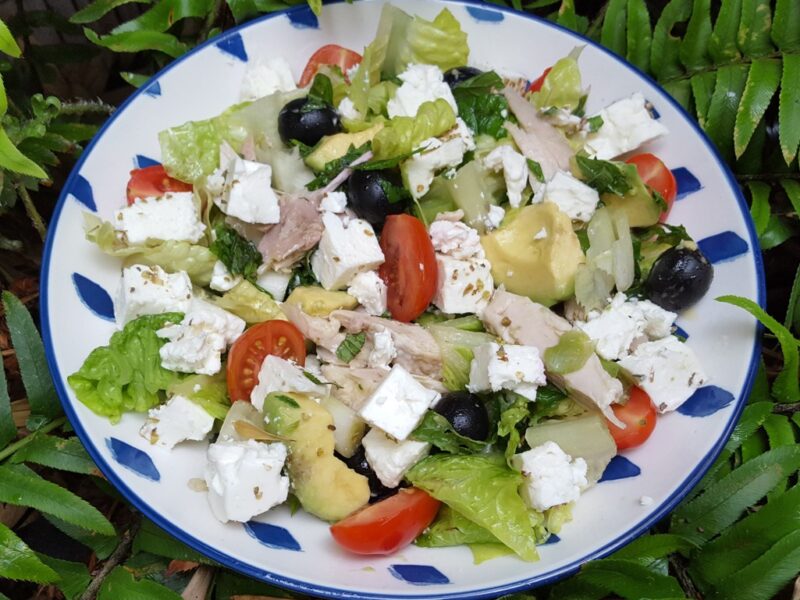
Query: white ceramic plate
[(297, 551)]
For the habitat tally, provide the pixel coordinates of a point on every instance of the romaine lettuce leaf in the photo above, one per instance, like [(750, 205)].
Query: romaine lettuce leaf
[(514, 412), (127, 374), (457, 346), (402, 134), (561, 87), (437, 430), (453, 529), (484, 492), (440, 42), (248, 302), (207, 391)]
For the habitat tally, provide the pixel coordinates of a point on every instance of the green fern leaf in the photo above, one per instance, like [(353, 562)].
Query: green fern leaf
[(155, 541), (101, 545), (649, 548), (723, 45), (753, 37), (98, 9), (792, 318), (613, 35), (136, 41), (694, 47), (760, 210), (681, 91), (721, 115), (703, 89), (640, 34), (629, 579), (789, 108), (8, 431), (664, 53), (17, 561), (121, 584), (762, 83), (786, 28), (73, 576), (779, 431), (56, 453), (165, 14)]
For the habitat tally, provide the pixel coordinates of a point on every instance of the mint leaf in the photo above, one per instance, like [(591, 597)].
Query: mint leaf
[(351, 346), (334, 167), (603, 175), (594, 123), (535, 168), (239, 255)]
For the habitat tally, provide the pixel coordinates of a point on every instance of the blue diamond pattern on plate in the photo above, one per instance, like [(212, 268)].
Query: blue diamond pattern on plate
[(81, 190), (133, 459), (723, 246), (686, 181), (706, 401), (233, 45), (419, 574), (681, 332), (484, 14), (553, 539), (303, 18), (94, 297), (141, 161), (153, 90), (272, 536), (620, 468)]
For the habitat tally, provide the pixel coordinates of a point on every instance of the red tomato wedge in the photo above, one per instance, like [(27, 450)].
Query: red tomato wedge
[(537, 84), (153, 181), (388, 525), (410, 270), (329, 55), (655, 174), (639, 415), (279, 338)]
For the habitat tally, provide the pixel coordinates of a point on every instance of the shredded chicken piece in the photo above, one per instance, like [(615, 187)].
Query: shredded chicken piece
[(299, 231), (323, 332)]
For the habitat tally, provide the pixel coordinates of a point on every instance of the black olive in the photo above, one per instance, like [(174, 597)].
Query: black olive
[(358, 462), (459, 75), (307, 124), (466, 413), (373, 195), (679, 278)]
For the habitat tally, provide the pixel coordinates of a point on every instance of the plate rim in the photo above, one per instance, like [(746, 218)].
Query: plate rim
[(307, 587)]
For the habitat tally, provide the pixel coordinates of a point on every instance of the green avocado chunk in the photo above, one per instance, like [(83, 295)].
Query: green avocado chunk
[(336, 146)]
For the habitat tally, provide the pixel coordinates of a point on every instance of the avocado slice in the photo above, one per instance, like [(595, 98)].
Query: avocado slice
[(336, 146), (323, 484), (639, 204), (535, 253), (319, 302)]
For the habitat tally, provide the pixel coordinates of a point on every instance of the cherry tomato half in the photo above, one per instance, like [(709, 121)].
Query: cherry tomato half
[(410, 269), (279, 338), (388, 525), (639, 415), (537, 84), (153, 181), (655, 174), (329, 55)]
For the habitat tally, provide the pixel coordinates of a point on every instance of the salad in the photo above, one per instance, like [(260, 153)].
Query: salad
[(421, 300)]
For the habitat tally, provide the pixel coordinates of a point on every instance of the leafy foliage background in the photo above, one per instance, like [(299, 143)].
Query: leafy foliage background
[(64, 532)]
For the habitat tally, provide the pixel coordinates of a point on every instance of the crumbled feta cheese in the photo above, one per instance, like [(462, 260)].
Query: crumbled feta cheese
[(667, 369), (345, 251), (421, 83), (263, 78), (244, 478), (383, 350), (398, 404), (645, 501), (463, 286), (541, 234), (496, 367), (465, 133), (455, 239), (196, 344), (389, 459), (222, 279), (150, 290), (248, 194), (552, 477), (334, 202), (495, 216), (172, 216), (313, 365), (576, 199), (627, 124), (280, 375), (274, 282), (420, 169), (515, 170), (348, 110), (370, 291), (178, 420)]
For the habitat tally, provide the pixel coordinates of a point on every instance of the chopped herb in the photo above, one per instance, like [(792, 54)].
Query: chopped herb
[(395, 193), (437, 430), (580, 110), (305, 149), (302, 275), (239, 255), (320, 95), (286, 400), (482, 110), (594, 123), (535, 168), (603, 175), (312, 378), (351, 346), (664, 234), (658, 199), (386, 163), (334, 167)]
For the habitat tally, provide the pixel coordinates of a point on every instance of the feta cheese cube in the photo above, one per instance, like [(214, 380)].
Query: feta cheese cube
[(496, 367), (172, 216), (494, 217), (244, 478), (334, 202), (421, 83), (420, 169), (463, 286), (178, 420), (348, 110), (248, 194), (456, 239), (383, 349), (370, 291), (280, 375), (196, 343), (150, 290), (263, 78), (398, 404), (576, 199), (515, 170), (463, 131), (345, 251), (222, 279), (275, 282), (627, 124), (391, 459), (552, 477), (667, 369)]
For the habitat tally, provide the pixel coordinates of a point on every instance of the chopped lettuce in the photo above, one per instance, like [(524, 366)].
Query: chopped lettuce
[(248, 302), (440, 42), (437, 430), (561, 87), (127, 374), (197, 261), (210, 392), (484, 492), (483, 552), (570, 353), (557, 516), (402, 135), (453, 529), (457, 347), (514, 411)]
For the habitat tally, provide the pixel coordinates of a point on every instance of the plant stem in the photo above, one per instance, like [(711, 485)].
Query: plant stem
[(770, 177), (210, 20), (597, 22), (683, 577), (82, 107), (9, 450), (30, 208), (119, 555), (787, 408)]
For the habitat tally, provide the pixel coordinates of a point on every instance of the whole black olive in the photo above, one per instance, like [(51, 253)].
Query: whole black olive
[(460, 74), (679, 278), (307, 124), (373, 195), (466, 413), (358, 462)]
